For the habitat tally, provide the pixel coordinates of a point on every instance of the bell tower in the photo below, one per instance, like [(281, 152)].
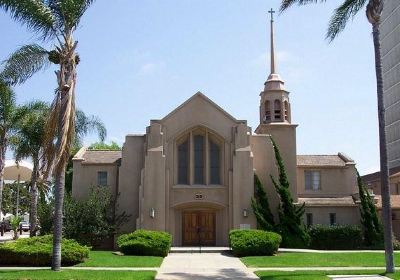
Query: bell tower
[(276, 118), (274, 101)]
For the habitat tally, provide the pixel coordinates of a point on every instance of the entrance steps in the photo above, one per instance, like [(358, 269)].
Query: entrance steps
[(198, 249)]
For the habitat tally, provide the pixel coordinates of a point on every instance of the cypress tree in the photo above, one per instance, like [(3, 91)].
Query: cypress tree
[(373, 229), (260, 205), (291, 226)]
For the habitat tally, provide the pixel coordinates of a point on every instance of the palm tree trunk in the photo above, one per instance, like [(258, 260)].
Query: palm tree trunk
[(58, 220), (2, 166), (385, 189), (34, 199), (66, 78)]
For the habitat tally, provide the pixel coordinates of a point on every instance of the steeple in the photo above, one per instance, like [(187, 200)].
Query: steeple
[(274, 105), (274, 80), (272, 42)]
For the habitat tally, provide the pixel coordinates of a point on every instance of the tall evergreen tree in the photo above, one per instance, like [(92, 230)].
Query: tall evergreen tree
[(291, 226), (373, 229), (260, 205)]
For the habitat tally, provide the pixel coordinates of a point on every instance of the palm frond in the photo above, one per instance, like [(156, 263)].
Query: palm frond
[(88, 124), (33, 13), (7, 106), (288, 3), (23, 63), (69, 12), (341, 16)]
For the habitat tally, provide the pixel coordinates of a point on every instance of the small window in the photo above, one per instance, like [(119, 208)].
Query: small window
[(286, 108), (102, 178), (267, 111), (397, 188), (277, 110), (309, 217), (332, 219), (312, 180)]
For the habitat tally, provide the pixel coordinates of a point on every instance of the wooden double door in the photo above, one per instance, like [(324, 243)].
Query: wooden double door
[(198, 228)]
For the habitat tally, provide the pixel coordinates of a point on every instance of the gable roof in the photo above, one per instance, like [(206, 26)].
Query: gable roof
[(339, 160), (208, 100), (98, 156)]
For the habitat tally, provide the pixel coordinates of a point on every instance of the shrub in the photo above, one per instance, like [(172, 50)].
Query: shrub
[(37, 251), (251, 242), (145, 243), (340, 237)]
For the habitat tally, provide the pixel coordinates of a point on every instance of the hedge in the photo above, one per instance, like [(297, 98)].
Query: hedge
[(145, 243), (338, 237), (37, 251), (251, 242)]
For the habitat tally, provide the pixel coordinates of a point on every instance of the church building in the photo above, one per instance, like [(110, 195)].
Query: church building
[(192, 173)]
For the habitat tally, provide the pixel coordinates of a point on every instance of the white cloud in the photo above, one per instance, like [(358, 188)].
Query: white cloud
[(151, 68)]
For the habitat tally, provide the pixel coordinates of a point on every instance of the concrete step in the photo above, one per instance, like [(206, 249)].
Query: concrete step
[(199, 249)]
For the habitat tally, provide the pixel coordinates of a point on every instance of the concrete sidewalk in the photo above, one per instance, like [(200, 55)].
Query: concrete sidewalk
[(206, 266)]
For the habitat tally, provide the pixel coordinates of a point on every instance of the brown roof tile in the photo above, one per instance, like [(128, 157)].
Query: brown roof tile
[(338, 160), (327, 201), (101, 157)]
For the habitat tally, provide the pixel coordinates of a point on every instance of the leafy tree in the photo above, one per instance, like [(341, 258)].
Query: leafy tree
[(373, 230), (88, 221), (341, 16), (55, 20), (113, 146), (10, 198), (260, 205), (291, 226)]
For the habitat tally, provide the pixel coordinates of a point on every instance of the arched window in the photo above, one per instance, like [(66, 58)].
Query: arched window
[(199, 158), (277, 110), (286, 108), (267, 111), (215, 163), (183, 162)]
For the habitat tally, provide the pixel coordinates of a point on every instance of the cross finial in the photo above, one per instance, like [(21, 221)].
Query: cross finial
[(272, 12)]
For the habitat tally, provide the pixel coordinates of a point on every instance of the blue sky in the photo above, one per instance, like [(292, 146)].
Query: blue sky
[(141, 59)]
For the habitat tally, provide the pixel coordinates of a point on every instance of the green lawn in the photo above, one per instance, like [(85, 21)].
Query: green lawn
[(319, 259), (77, 275), (315, 275), (108, 259)]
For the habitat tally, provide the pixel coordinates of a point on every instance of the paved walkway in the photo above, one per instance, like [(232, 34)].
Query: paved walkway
[(206, 266), (318, 268), (358, 277)]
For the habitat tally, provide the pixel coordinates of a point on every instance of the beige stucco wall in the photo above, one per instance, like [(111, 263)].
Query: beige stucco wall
[(344, 215), (335, 182), (85, 176), (130, 179)]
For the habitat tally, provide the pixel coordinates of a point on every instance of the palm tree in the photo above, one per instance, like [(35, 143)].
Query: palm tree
[(29, 141), (55, 20), (341, 16), (10, 114)]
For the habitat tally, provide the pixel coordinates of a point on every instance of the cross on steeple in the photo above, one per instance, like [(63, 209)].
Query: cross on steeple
[(272, 12), (272, 42)]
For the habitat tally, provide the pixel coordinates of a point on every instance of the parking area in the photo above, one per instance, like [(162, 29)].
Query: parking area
[(9, 236)]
